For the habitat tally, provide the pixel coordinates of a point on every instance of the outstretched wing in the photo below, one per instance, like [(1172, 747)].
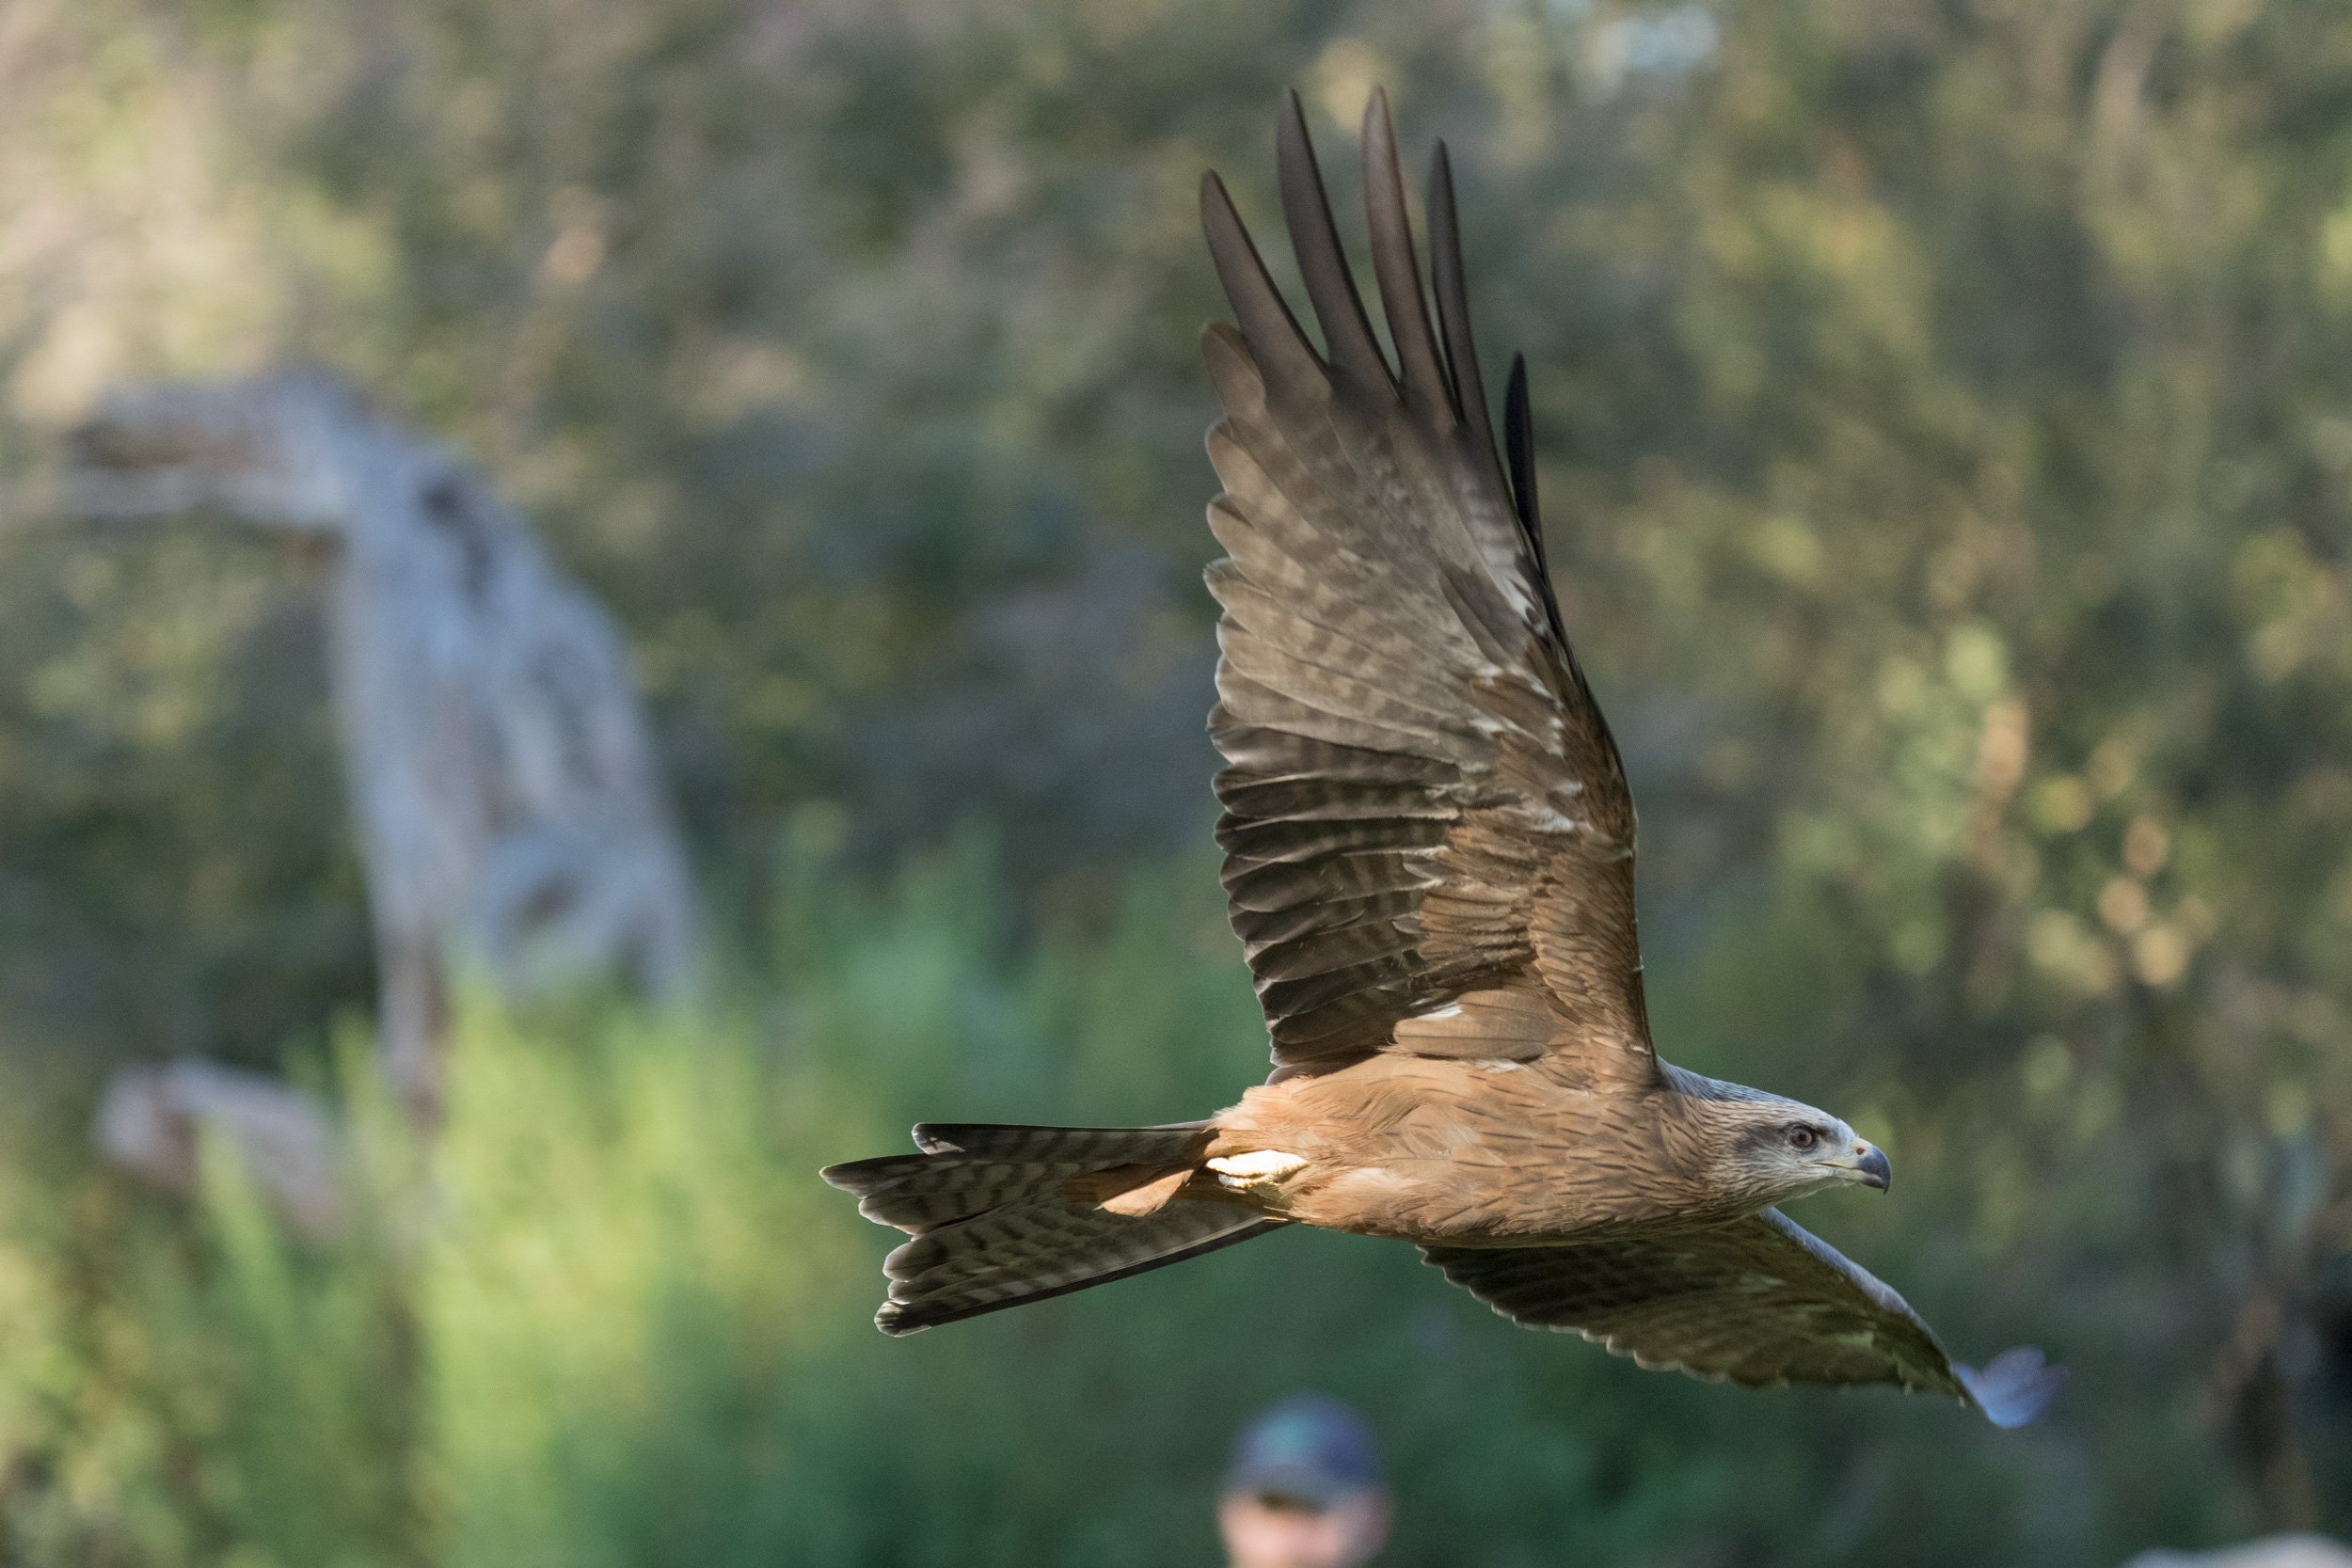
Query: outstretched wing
[(1761, 1302), (1429, 841)]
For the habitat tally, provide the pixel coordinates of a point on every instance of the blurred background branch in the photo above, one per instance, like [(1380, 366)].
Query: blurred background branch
[(510, 811)]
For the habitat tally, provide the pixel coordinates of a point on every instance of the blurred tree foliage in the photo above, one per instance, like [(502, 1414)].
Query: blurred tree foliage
[(1947, 425), (641, 1330)]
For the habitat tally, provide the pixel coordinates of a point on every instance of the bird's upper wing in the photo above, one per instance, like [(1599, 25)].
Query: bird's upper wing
[(1761, 1302), (1429, 841)]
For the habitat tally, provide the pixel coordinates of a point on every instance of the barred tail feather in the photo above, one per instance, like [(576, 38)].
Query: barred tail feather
[(1030, 1251), (998, 1215)]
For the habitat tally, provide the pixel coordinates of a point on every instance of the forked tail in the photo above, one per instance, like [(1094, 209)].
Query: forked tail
[(1002, 1215)]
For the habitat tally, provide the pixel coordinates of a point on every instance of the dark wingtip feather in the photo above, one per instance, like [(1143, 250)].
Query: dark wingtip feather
[(2015, 1388), (1348, 335), (1452, 290), (1395, 266), (1518, 440), (1266, 322)]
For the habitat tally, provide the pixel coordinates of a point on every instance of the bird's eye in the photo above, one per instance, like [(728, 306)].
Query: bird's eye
[(1801, 1137)]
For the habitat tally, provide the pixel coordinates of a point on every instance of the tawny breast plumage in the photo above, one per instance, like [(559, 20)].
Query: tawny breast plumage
[(1448, 1150)]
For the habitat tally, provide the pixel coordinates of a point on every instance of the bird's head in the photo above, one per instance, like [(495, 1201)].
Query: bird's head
[(1779, 1149)]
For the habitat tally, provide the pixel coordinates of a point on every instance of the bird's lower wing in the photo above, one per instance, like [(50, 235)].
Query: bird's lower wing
[(1760, 1302)]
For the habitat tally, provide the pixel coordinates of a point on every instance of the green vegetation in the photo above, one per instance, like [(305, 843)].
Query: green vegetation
[(638, 1326)]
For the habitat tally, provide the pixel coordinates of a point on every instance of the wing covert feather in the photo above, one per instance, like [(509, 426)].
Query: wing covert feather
[(1422, 799)]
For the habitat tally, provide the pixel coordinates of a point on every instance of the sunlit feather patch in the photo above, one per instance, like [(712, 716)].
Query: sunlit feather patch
[(1512, 1023)]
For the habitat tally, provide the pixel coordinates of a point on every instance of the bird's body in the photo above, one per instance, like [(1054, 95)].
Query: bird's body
[(1429, 856), (1484, 1153), (1470, 1152)]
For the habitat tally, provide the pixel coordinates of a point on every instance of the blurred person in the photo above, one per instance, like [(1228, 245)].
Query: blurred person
[(1304, 1489)]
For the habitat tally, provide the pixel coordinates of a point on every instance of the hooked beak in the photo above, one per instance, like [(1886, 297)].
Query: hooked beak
[(1868, 1165)]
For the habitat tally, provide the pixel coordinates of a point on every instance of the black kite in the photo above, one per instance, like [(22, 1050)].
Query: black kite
[(1429, 853)]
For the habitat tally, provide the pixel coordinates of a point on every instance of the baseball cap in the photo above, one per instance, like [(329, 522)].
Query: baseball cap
[(1307, 1448)]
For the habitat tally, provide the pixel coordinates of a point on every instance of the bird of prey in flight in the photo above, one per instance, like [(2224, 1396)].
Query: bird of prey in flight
[(1429, 854)]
